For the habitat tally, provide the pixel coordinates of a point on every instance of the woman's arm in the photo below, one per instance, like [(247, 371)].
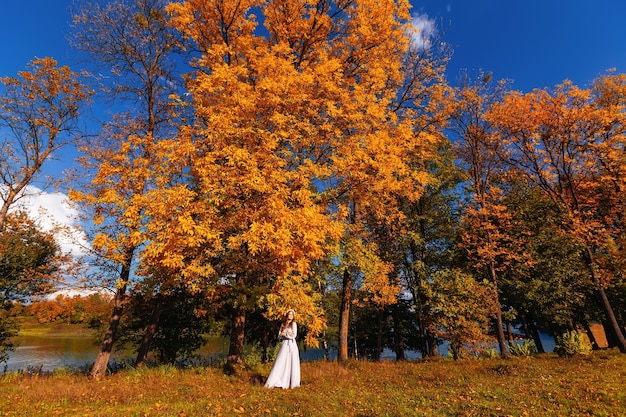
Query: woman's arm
[(292, 332)]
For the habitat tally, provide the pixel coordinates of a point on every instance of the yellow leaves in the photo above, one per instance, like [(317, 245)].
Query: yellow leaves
[(378, 286), (293, 292), (186, 223), (560, 140), (120, 283), (40, 107), (100, 240), (290, 127)]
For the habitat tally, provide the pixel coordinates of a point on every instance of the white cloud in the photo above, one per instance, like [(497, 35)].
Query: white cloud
[(53, 212), (424, 31)]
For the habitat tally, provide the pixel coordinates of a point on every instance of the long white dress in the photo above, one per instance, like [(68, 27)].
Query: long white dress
[(285, 372)]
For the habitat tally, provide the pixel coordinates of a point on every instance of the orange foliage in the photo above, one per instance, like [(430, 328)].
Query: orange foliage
[(570, 142), (293, 124), (40, 109), (91, 309)]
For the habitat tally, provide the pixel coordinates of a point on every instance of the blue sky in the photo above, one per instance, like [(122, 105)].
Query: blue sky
[(534, 43), (33, 28)]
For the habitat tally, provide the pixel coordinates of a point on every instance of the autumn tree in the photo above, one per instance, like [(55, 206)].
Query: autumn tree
[(130, 44), (569, 142), (607, 93), (385, 166), (77, 309), (553, 290), (39, 112), (418, 100), (487, 220), (463, 307), (293, 131), (428, 246), (46, 311)]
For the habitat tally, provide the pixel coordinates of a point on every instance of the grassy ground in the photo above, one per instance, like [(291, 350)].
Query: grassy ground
[(541, 386), (53, 330)]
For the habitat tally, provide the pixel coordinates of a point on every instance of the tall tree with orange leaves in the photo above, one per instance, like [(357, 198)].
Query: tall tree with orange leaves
[(570, 143), (485, 237), (39, 112), (294, 130), (131, 47)]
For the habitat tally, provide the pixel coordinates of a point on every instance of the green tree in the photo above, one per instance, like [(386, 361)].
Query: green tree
[(553, 288), (463, 308), (30, 259), (183, 322), (429, 244), (30, 263)]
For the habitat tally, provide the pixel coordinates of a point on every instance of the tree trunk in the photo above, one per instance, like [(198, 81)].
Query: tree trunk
[(4, 210), (344, 316), (604, 302), (591, 336), (509, 332), (355, 344), (237, 332), (431, 341), (532, 327), (150, 330), (504, 350), (398, 338), (423, 347), (265, 343), (102, 360), (455, 348), (613, 326), (379, 335)]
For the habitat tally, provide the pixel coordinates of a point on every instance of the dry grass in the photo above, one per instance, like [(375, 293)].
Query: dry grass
[(541, 386)]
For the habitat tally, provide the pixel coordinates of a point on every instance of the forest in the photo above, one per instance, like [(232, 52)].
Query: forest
[(311, 155)]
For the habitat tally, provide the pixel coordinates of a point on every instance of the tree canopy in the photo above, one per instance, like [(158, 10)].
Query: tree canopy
[(265, 155)]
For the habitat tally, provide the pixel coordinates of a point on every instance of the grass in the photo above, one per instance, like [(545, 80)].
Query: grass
[(545, 385), (31, 328), (54, 330)]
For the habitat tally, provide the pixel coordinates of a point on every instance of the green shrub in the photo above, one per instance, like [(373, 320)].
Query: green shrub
[(487, 352), (252, 354), (526, 348), (572, 343)]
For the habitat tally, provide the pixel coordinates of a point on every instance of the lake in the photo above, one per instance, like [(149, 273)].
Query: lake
[(49, 352)]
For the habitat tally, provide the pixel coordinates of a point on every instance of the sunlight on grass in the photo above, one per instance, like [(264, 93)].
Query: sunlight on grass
[(545, 385)]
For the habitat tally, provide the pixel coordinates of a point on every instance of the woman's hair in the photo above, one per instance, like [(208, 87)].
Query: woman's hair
[(286, 317)]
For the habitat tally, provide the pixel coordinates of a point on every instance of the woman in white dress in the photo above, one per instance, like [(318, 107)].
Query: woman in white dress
[(286, 370)]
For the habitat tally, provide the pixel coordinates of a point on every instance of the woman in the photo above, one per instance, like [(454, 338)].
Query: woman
[(286, 370)]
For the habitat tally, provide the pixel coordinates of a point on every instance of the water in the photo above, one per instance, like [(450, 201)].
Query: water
[(49, 353)]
